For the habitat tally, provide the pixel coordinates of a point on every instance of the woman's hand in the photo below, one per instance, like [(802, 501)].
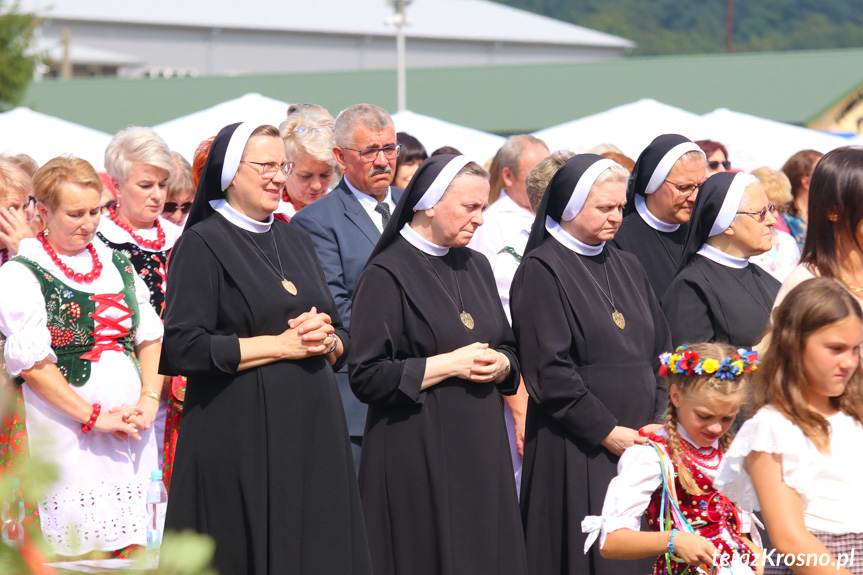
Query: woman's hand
[(621, 438), (113, 422), (489, 365), (694, 549), (308, 334), (13, 228), (142, 415)]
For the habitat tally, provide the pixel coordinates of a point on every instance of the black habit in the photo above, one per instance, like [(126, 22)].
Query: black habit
[(658, 252), (584, 376), (436, 474), (708, 301), (263, 463)]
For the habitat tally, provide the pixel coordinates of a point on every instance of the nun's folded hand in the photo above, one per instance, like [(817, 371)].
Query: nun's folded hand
[(488, 366), (308, 334), (461, 362)]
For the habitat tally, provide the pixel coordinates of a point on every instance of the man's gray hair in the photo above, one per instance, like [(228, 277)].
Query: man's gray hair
[(510, 153), (370, 116)]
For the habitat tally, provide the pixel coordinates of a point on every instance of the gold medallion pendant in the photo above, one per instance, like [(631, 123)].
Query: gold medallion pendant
[(618, 319), (289, 287), (466, 319)]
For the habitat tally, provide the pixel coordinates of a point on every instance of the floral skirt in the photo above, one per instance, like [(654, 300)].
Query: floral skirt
[(172, 427)]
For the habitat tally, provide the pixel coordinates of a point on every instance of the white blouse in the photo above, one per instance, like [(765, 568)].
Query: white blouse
[(23, 318), (639, 475), (829, 485)]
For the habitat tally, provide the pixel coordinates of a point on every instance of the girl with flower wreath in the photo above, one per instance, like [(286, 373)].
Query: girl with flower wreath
[(694, 528), (798, 457)]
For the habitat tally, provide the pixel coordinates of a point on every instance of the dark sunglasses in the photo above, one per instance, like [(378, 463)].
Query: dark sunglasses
[(760, 215), (171, 207), (714, 165)]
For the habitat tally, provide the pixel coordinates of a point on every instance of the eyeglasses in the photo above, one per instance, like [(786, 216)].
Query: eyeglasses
[(371, 154), (714, 165), (30, 200), (268, 169), (107, 207), (306, 131), (686, 190), (171, 207), (759, 216)]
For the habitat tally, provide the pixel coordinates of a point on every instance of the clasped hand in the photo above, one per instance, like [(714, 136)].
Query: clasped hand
[(308, 334), (476, 362)]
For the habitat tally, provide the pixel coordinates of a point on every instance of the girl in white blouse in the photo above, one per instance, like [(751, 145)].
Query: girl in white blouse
[(800, 453), (694, 529)]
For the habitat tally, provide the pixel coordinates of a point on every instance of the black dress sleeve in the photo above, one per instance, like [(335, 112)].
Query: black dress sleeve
[(545, 343), (379, 376), (190, 345)]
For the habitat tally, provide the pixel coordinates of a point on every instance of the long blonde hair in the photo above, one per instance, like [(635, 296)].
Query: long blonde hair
[(781, 382), (690, 385)]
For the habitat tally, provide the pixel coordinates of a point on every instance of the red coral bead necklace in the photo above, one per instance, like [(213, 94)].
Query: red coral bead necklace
[(156, 244), (68, 271)]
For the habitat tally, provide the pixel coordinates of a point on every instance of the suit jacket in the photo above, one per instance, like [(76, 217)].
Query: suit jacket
[(344, 237)]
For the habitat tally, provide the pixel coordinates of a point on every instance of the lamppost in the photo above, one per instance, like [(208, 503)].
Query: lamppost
[(399, 19)]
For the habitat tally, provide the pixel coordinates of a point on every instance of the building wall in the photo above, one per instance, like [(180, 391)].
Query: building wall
[(224, 51)]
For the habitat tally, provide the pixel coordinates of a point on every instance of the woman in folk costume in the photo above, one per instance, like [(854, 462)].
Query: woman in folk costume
[(590, 332), (434, 351), (84, 339)]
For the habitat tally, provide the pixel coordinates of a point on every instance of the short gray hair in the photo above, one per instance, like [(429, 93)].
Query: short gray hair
[(511, 151), (371, 116), (318, 144), (182, 176), (137, 145)]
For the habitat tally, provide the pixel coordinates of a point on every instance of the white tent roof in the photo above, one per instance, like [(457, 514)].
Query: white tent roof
[(630, 127), (185, 133), (434, 133), (42, 137), (753, 142), (451, 19)]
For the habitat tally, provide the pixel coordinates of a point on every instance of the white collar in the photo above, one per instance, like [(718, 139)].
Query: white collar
[(422, 244), (569, 242), (365, 198), (241, 220), (505, 204), (716, 255), (650, 219)]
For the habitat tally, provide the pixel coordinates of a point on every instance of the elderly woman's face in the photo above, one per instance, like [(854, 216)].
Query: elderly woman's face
[(72, 223), (601, 215), (142, 195), (252, 194), (309, 181), (458, 214), (751, 234)]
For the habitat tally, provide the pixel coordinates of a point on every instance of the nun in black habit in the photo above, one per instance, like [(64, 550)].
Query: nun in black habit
[(433, 349), (589, 331), (263, 464), (718, 295), (660, 197)]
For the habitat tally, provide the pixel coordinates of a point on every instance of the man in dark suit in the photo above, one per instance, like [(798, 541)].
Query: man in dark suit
[(347, 222)]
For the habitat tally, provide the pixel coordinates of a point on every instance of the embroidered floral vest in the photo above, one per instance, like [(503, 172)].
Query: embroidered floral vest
[(711, 515), (151, 266), (76, 320)]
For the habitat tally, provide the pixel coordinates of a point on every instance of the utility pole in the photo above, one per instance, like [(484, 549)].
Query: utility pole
[(729, 26), (400, 20)]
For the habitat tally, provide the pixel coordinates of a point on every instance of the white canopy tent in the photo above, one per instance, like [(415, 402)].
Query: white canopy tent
[(630, 127), (434, 133), (753, 142), (185, 133), (42, 137)]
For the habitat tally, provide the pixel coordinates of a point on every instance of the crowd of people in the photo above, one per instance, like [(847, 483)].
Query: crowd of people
[(350, 356)]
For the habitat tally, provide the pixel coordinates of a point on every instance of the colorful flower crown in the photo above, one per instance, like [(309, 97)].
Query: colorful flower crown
[(689, 363)]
